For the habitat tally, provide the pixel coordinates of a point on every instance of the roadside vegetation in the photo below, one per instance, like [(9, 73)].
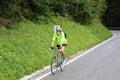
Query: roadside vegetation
[(24, 49), (26, 29)]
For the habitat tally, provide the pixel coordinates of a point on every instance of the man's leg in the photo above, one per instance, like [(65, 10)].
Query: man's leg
[(63, 52)]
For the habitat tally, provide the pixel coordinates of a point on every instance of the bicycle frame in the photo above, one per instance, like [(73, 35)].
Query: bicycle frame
[(56, 61), (57, 51)]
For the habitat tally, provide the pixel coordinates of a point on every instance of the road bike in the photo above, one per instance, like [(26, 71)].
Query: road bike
[(57, 62)]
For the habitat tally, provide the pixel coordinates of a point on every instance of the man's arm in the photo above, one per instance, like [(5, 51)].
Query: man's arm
[(52, 44), (63, 37), (53, 41)]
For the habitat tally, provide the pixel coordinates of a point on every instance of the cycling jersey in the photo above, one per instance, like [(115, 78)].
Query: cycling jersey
[(60, 38)]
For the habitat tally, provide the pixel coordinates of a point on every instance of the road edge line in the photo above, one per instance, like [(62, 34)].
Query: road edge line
[(79, 55)]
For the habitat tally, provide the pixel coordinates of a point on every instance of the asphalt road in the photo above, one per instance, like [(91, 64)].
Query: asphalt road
[(102, 63)]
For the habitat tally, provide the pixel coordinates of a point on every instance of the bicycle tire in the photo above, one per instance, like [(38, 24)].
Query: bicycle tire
[(63, 66), (53, 65)]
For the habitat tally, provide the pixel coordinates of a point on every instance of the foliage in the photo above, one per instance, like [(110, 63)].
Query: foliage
[(81, 11), (10, 9), (85, 10), (24, 49), (112, 14)]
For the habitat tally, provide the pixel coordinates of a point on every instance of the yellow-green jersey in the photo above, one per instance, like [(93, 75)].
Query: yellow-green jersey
[(59, 38)]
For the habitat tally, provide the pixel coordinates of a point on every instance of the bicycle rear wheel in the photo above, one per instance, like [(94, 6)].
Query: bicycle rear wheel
[(63, 65)]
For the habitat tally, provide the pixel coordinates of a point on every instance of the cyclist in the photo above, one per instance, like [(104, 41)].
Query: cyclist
[(59, 36)]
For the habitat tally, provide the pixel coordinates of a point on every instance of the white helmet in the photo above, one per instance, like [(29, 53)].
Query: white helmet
[(58, 29)]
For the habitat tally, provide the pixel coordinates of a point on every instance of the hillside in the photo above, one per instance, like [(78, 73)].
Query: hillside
[(24, 49)]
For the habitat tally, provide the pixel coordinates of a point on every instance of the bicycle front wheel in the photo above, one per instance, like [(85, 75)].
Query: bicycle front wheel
[(54, 65)]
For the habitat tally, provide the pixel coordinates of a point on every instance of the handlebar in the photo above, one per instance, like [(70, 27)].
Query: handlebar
[(55, 48)]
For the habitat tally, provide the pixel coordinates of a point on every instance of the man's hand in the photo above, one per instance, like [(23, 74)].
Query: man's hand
[(52, 47)]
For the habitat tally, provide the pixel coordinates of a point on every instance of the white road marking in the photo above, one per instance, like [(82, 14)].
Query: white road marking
[(89, 50)]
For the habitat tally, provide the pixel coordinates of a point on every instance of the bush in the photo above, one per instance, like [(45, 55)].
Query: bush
[(82, 11)]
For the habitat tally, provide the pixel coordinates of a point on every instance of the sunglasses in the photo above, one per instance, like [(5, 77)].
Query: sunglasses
[(58, 31)]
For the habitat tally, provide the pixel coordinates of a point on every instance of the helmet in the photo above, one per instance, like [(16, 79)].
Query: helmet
[(58, 29)]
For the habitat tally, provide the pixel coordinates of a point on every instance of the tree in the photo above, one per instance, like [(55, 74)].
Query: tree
[(112, 14)]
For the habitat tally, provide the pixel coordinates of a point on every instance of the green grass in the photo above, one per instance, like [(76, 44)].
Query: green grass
[(24, 49)]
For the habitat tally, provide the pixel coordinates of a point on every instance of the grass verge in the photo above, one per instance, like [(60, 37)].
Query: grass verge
[(24, 49)]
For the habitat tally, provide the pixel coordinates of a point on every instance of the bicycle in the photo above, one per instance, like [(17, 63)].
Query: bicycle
[(57, 61)]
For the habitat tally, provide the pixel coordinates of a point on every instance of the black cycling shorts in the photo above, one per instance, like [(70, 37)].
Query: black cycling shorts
[(58, 46)]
